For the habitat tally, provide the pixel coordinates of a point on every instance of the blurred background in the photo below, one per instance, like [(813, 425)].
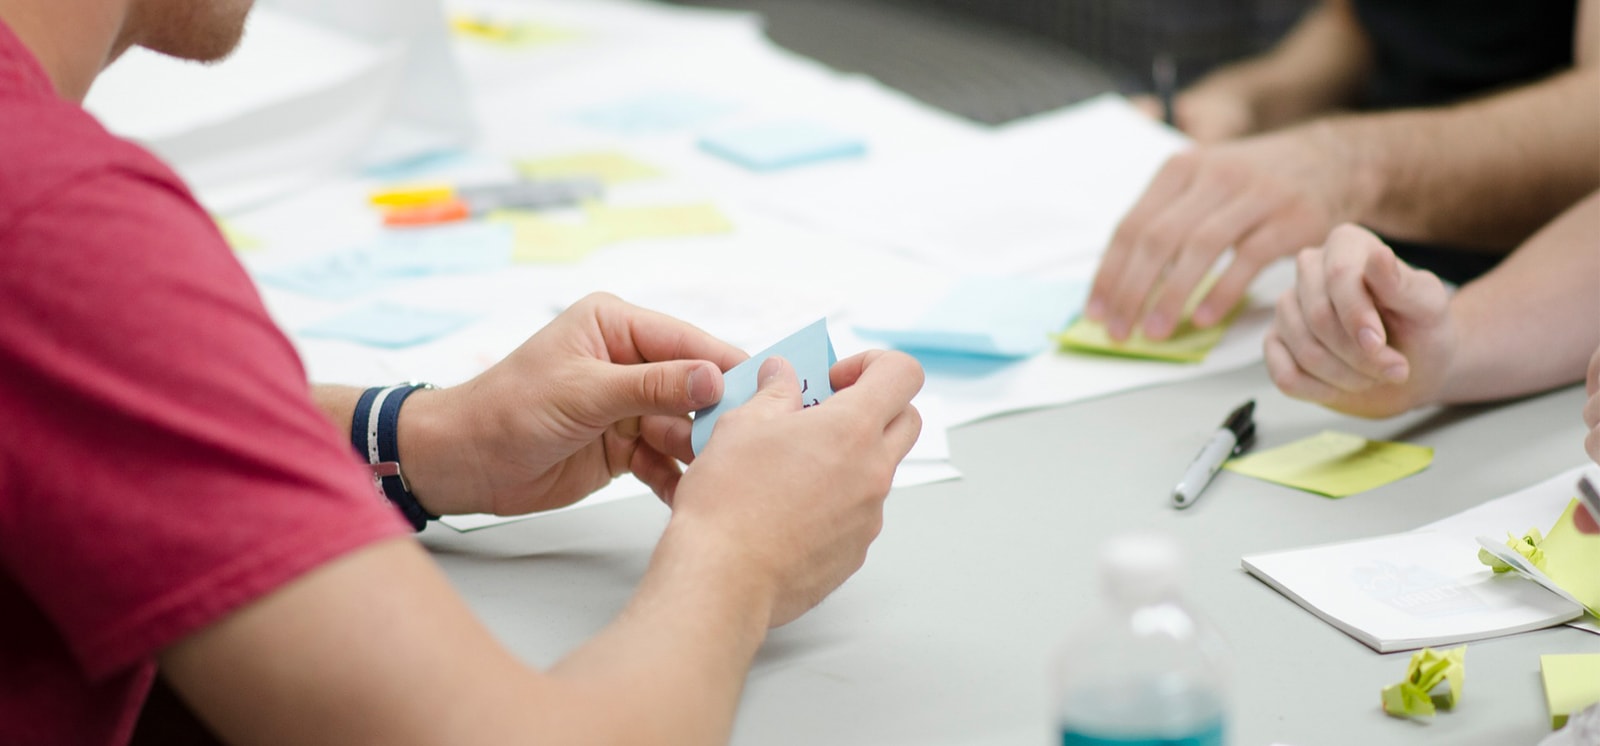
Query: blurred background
[(993, 61)]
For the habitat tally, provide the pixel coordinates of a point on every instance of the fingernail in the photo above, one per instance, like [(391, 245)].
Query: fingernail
[(1395, 373), (770, 367), (1118, 329), (1369, 339), (1203, 316), (1096, 310), (702, 387)]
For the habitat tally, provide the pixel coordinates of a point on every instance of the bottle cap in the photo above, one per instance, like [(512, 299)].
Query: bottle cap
[(1140, 567)]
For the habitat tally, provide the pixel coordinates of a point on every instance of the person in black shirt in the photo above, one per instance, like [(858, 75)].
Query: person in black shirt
[(1453, 128)]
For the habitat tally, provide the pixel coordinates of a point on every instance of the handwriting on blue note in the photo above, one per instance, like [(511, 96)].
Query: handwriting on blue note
[(998, 317), (809, 350), (654, 113), (413, 252), (389, 325), (779, 145)]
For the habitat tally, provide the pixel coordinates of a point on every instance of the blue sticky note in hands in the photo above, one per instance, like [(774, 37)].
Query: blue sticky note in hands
[(389, 325), (809, 350), (770, 147), (998, 317)]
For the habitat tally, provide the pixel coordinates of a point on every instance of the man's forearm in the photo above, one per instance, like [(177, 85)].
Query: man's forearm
[(670, 669), (1484, 174), (1532, 323)]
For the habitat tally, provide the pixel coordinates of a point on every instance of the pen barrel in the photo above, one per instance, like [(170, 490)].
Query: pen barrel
[(1203, 468)]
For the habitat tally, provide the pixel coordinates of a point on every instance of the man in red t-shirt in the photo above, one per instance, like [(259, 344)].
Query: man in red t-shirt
[(176, 500)]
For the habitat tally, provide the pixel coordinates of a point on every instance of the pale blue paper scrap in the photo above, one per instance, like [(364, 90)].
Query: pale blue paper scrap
[(809, 350), (338, 276), (414, 252), (654, 113), (1002, 317), (390, 325), (770, 147)]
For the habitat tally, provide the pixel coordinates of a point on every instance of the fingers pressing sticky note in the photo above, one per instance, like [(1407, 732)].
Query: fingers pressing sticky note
[(1335, 464), (1188, 343), (809, 350)]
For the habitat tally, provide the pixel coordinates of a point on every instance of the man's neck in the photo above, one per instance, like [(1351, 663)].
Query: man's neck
[(72, 39)]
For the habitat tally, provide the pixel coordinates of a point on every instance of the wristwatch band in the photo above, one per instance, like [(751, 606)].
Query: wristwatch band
[(374, 432)]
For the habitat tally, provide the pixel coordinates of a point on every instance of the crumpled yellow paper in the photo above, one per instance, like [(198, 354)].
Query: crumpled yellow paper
[(1526, 545), (1414, 697)]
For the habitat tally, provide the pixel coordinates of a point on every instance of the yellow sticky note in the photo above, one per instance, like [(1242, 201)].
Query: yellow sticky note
[(239, 240), (1418, 695), (1572, 560), (1335, 464), (506, 32), (536, 240), (660, 221), (1571, 683), (607, 166), (1188, 344)]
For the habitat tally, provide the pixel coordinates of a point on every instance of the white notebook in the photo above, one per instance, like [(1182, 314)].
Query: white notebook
[(1427, 587)]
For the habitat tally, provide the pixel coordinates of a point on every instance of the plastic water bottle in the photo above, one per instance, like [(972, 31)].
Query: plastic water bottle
[(1144, 670)]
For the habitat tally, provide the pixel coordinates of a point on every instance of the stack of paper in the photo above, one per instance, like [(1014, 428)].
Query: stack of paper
[(1427, 587)]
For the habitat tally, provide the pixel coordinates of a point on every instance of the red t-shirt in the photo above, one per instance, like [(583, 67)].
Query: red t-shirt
[(161, 460)]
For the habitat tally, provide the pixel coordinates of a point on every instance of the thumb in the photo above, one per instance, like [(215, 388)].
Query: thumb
[(668, 388), (777, 387), (1412, 294)]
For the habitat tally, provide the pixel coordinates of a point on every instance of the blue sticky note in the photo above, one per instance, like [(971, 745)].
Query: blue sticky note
[(809, 350), (654, 114), (447, 249), (413, 252), (999, 317), (389, 325), (770, 147), (338, 276)]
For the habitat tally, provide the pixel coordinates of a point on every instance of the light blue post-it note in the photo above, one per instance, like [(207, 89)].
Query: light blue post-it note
[(390, 325), (769, 147), (446, 249), (809, 350), (1001, 317), (654, 113), (413, 252), (338, 276)]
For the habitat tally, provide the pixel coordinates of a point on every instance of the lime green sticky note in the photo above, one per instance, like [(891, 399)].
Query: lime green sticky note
[(1335, 464), (608, 166), (239, 240), (1571, 683), (537, 240), (507, 33), (1572, 560), (1188, 344), (1418, 695), (666, 221)]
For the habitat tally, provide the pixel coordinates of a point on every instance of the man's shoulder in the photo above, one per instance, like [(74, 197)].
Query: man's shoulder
[(52, 144)]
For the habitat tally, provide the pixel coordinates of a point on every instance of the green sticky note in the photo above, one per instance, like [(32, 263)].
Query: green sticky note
[(608, 166), (1571, 683), (659, 221), (1419, 695), (1188, 344), (1335, 464), (537, 240), (1572, 560)]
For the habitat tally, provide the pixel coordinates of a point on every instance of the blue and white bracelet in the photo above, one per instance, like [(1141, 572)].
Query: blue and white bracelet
[(374, 432)]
